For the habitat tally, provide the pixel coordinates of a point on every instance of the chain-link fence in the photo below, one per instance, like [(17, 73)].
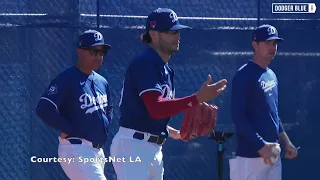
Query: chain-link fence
[(38, 40)]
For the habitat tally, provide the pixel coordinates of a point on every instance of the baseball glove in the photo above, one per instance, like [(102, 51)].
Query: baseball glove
[(198, 121)]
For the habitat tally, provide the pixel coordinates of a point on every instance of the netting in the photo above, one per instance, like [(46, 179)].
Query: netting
[(38, 41)]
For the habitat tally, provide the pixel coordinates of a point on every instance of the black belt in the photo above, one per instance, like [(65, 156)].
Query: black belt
[(153, 139), (79, 141)]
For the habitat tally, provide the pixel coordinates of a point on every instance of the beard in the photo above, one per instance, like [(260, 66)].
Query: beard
[(170, 48)]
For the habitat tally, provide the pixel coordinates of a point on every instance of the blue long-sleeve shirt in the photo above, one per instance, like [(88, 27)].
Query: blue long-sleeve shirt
[(78, 105), (255, 108)]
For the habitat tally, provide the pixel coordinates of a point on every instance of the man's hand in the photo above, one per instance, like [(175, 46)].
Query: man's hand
[(208, 92), (270, 153), (291, 151), (173, 133), (63, 135)]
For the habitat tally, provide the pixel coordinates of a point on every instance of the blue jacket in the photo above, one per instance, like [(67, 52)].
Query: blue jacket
[(255, 108)]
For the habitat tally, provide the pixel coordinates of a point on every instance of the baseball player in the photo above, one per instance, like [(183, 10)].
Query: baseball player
[(148, 101), (78, 103), (255, 113)]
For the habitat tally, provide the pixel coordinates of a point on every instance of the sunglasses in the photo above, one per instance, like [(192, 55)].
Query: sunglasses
[(96, 52)]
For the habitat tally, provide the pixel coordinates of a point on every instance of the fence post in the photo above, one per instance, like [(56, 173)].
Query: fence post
[(76, 22), (98, 14), (75, 13), (258, 13)]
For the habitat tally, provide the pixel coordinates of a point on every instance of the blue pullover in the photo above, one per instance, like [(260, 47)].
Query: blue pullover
[(255, 109)]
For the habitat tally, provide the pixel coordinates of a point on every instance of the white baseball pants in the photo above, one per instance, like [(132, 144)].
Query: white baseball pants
[(87, 162), (150, 166), (254, 169)]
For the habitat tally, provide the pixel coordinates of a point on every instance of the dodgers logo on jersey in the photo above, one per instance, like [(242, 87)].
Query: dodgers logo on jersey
[(167, 93), (268, 85), (93, 104)]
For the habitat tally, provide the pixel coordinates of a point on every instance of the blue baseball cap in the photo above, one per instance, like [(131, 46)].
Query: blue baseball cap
[(164, 19), (91, 38), (266, 32)]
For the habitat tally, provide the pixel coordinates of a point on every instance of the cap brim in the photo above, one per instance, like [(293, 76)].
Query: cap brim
[(275, 38), (179, 27), (101, 44)]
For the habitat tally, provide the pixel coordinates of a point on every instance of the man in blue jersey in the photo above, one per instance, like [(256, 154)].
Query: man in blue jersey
[(255, 113), (78, 103), (148, 101)]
